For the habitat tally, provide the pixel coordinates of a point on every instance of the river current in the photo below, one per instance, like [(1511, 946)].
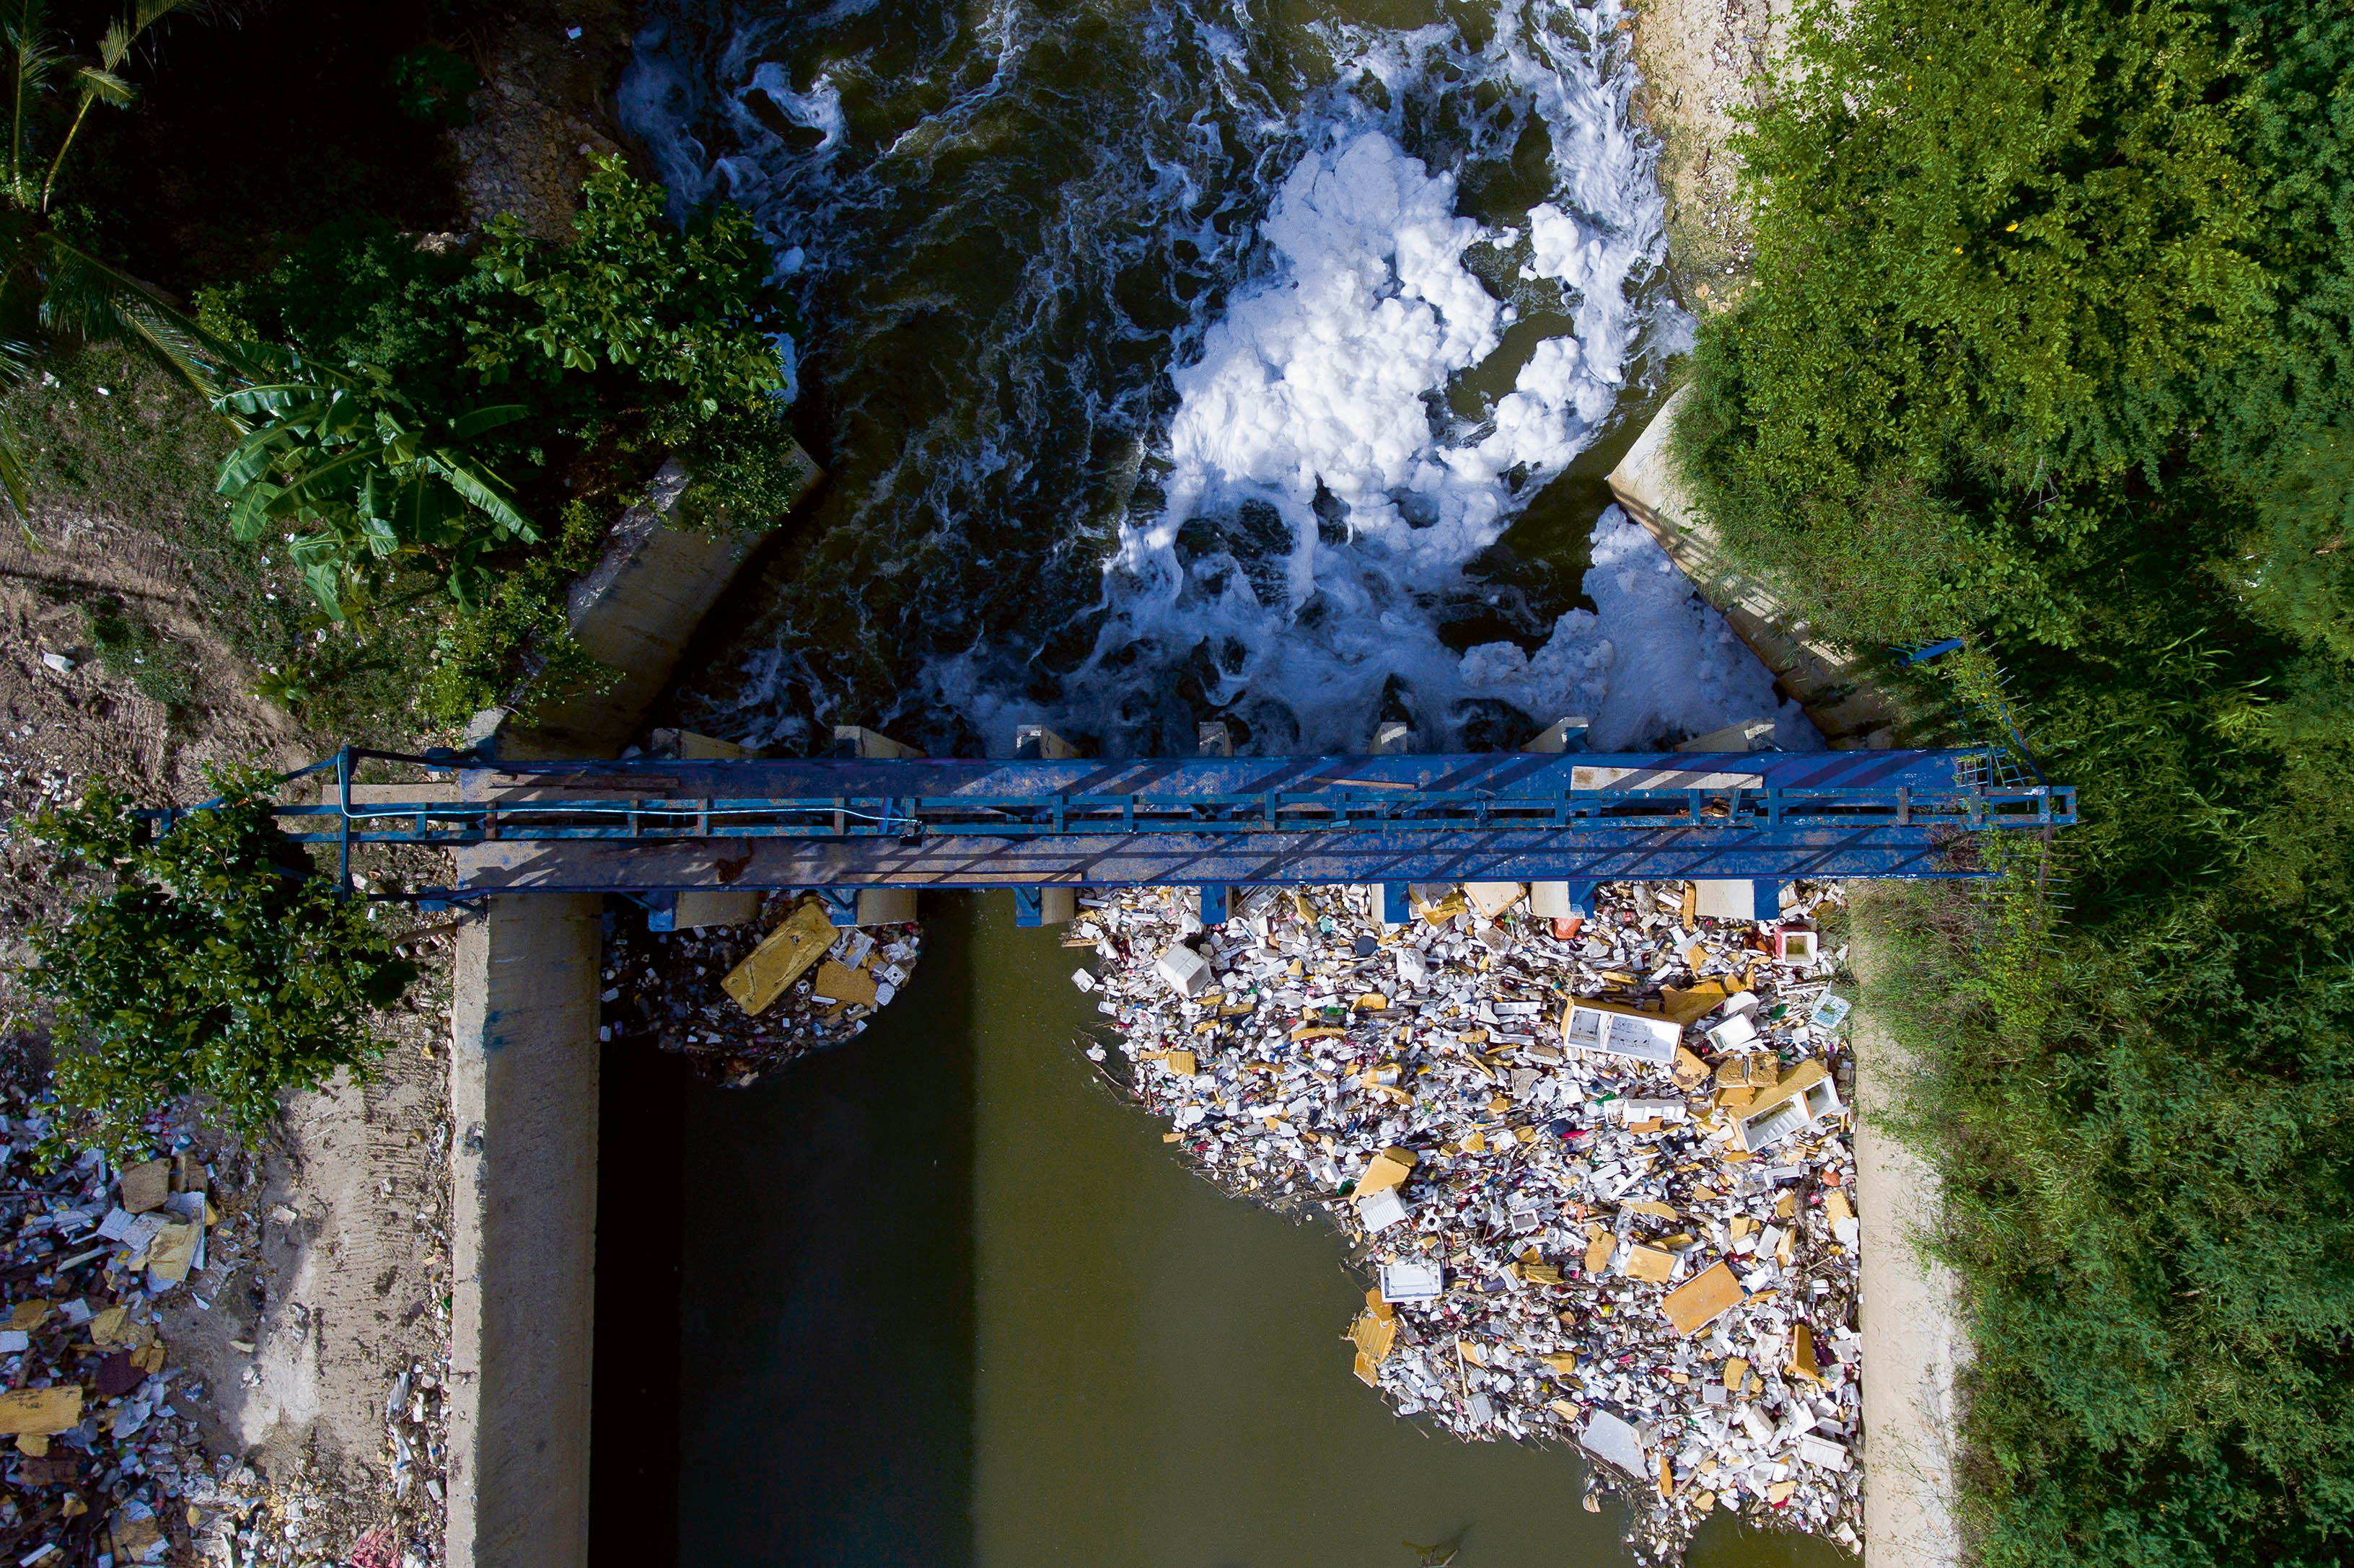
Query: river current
[(1189, 359)]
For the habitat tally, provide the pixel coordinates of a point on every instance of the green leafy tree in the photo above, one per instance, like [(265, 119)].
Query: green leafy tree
[(687, 312), (435, 409), (2050, 344), (213, 967)]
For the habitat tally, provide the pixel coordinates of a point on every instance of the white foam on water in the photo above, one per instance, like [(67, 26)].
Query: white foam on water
[(1650, 659), (1316, 388), (1312, 495)]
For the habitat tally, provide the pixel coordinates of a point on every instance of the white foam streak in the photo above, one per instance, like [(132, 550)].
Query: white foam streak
[(1312, 501)]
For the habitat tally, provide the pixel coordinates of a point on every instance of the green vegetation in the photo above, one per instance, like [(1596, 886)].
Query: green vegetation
[(432, 84), (433, 407), (214, 966), (415, 414), (2050, 347), (106, 431), (131, 648), (55, 290)]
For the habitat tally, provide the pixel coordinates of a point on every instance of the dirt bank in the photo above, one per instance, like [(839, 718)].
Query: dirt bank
[(1703, 61)]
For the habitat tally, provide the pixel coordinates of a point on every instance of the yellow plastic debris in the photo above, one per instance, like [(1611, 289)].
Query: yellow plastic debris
[(783, 957), (41, 1411), (845, 984)]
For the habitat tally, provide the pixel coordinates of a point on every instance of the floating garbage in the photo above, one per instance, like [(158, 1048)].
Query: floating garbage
[(737, 1000), (1598, 1172)]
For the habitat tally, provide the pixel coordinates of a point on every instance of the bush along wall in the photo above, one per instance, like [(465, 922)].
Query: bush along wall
[(421, 420), (2049, 346)]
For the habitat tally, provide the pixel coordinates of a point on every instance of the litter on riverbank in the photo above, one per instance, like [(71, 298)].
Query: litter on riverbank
[(107, 1457), (806, 986), (1598, 1174)]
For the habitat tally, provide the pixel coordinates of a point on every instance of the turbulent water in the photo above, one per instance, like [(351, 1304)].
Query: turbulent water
[(1177, 360)]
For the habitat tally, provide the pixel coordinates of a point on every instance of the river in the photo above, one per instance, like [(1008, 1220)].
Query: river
[(1189, 359), (1256, 360), (944, 1300)]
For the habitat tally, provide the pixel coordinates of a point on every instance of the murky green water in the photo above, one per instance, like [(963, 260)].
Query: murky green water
[(947, 1301), (1068, 271)]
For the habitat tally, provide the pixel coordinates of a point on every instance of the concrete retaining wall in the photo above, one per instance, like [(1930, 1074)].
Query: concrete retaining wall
[(522, 1096), (1914, 1344), (1816, 677), (524, 1090)]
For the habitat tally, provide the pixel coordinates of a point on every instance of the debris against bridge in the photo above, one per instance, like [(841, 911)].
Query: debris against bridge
[(1597, 1174), (665, 989)]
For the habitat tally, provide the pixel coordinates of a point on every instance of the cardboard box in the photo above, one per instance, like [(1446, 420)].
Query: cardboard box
[(145, 1187), (1700, 1300), (1490, 899), (1651, 1265), (1386, 1170), (1802, 1355)]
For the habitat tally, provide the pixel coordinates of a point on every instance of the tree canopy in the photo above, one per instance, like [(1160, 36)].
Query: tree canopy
[(2047, 349)]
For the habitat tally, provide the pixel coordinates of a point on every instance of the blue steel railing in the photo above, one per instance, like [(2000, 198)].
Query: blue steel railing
[(550, 825)]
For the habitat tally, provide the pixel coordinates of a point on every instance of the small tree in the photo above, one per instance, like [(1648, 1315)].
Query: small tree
[(214, 965)]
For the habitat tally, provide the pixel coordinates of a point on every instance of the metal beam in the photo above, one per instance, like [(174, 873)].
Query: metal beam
[(1205, 821)]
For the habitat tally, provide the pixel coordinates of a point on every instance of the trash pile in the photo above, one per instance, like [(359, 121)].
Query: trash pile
[(737, 1000), (1598, 1172), (106, 1457)]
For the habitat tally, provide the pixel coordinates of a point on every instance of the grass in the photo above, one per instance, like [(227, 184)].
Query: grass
[(106, 435)]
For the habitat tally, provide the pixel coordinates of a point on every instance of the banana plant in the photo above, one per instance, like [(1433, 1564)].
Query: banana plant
[(355, 474)]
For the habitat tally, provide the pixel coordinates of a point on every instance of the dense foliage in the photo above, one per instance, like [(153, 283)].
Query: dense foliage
[(214, 965), (438, 409), (2049, 346)]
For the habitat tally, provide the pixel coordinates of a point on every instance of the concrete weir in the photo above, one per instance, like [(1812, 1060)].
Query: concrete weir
[(1820, 679), (524, 1090)]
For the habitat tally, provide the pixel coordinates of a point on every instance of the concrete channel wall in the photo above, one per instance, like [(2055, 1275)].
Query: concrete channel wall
[(524, 1090), (1913, 1345), (1818, 678)]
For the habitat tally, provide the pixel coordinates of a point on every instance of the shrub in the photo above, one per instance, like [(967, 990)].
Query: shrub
[(435, 411), (2049, 349), (214, 965)]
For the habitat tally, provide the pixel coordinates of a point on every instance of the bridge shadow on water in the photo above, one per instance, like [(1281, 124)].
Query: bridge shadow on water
[(785, 1298)]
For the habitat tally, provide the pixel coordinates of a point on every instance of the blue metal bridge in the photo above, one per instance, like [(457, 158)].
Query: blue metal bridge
[(839, 825)]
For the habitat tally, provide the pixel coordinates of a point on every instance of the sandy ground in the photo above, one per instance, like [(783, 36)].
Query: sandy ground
[(1913, 1346), (329, 1276), (1701, 61)]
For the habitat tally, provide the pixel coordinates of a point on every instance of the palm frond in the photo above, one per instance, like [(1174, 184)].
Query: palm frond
[(481, 488), (102, 87), (88, 298), (17, 484)]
